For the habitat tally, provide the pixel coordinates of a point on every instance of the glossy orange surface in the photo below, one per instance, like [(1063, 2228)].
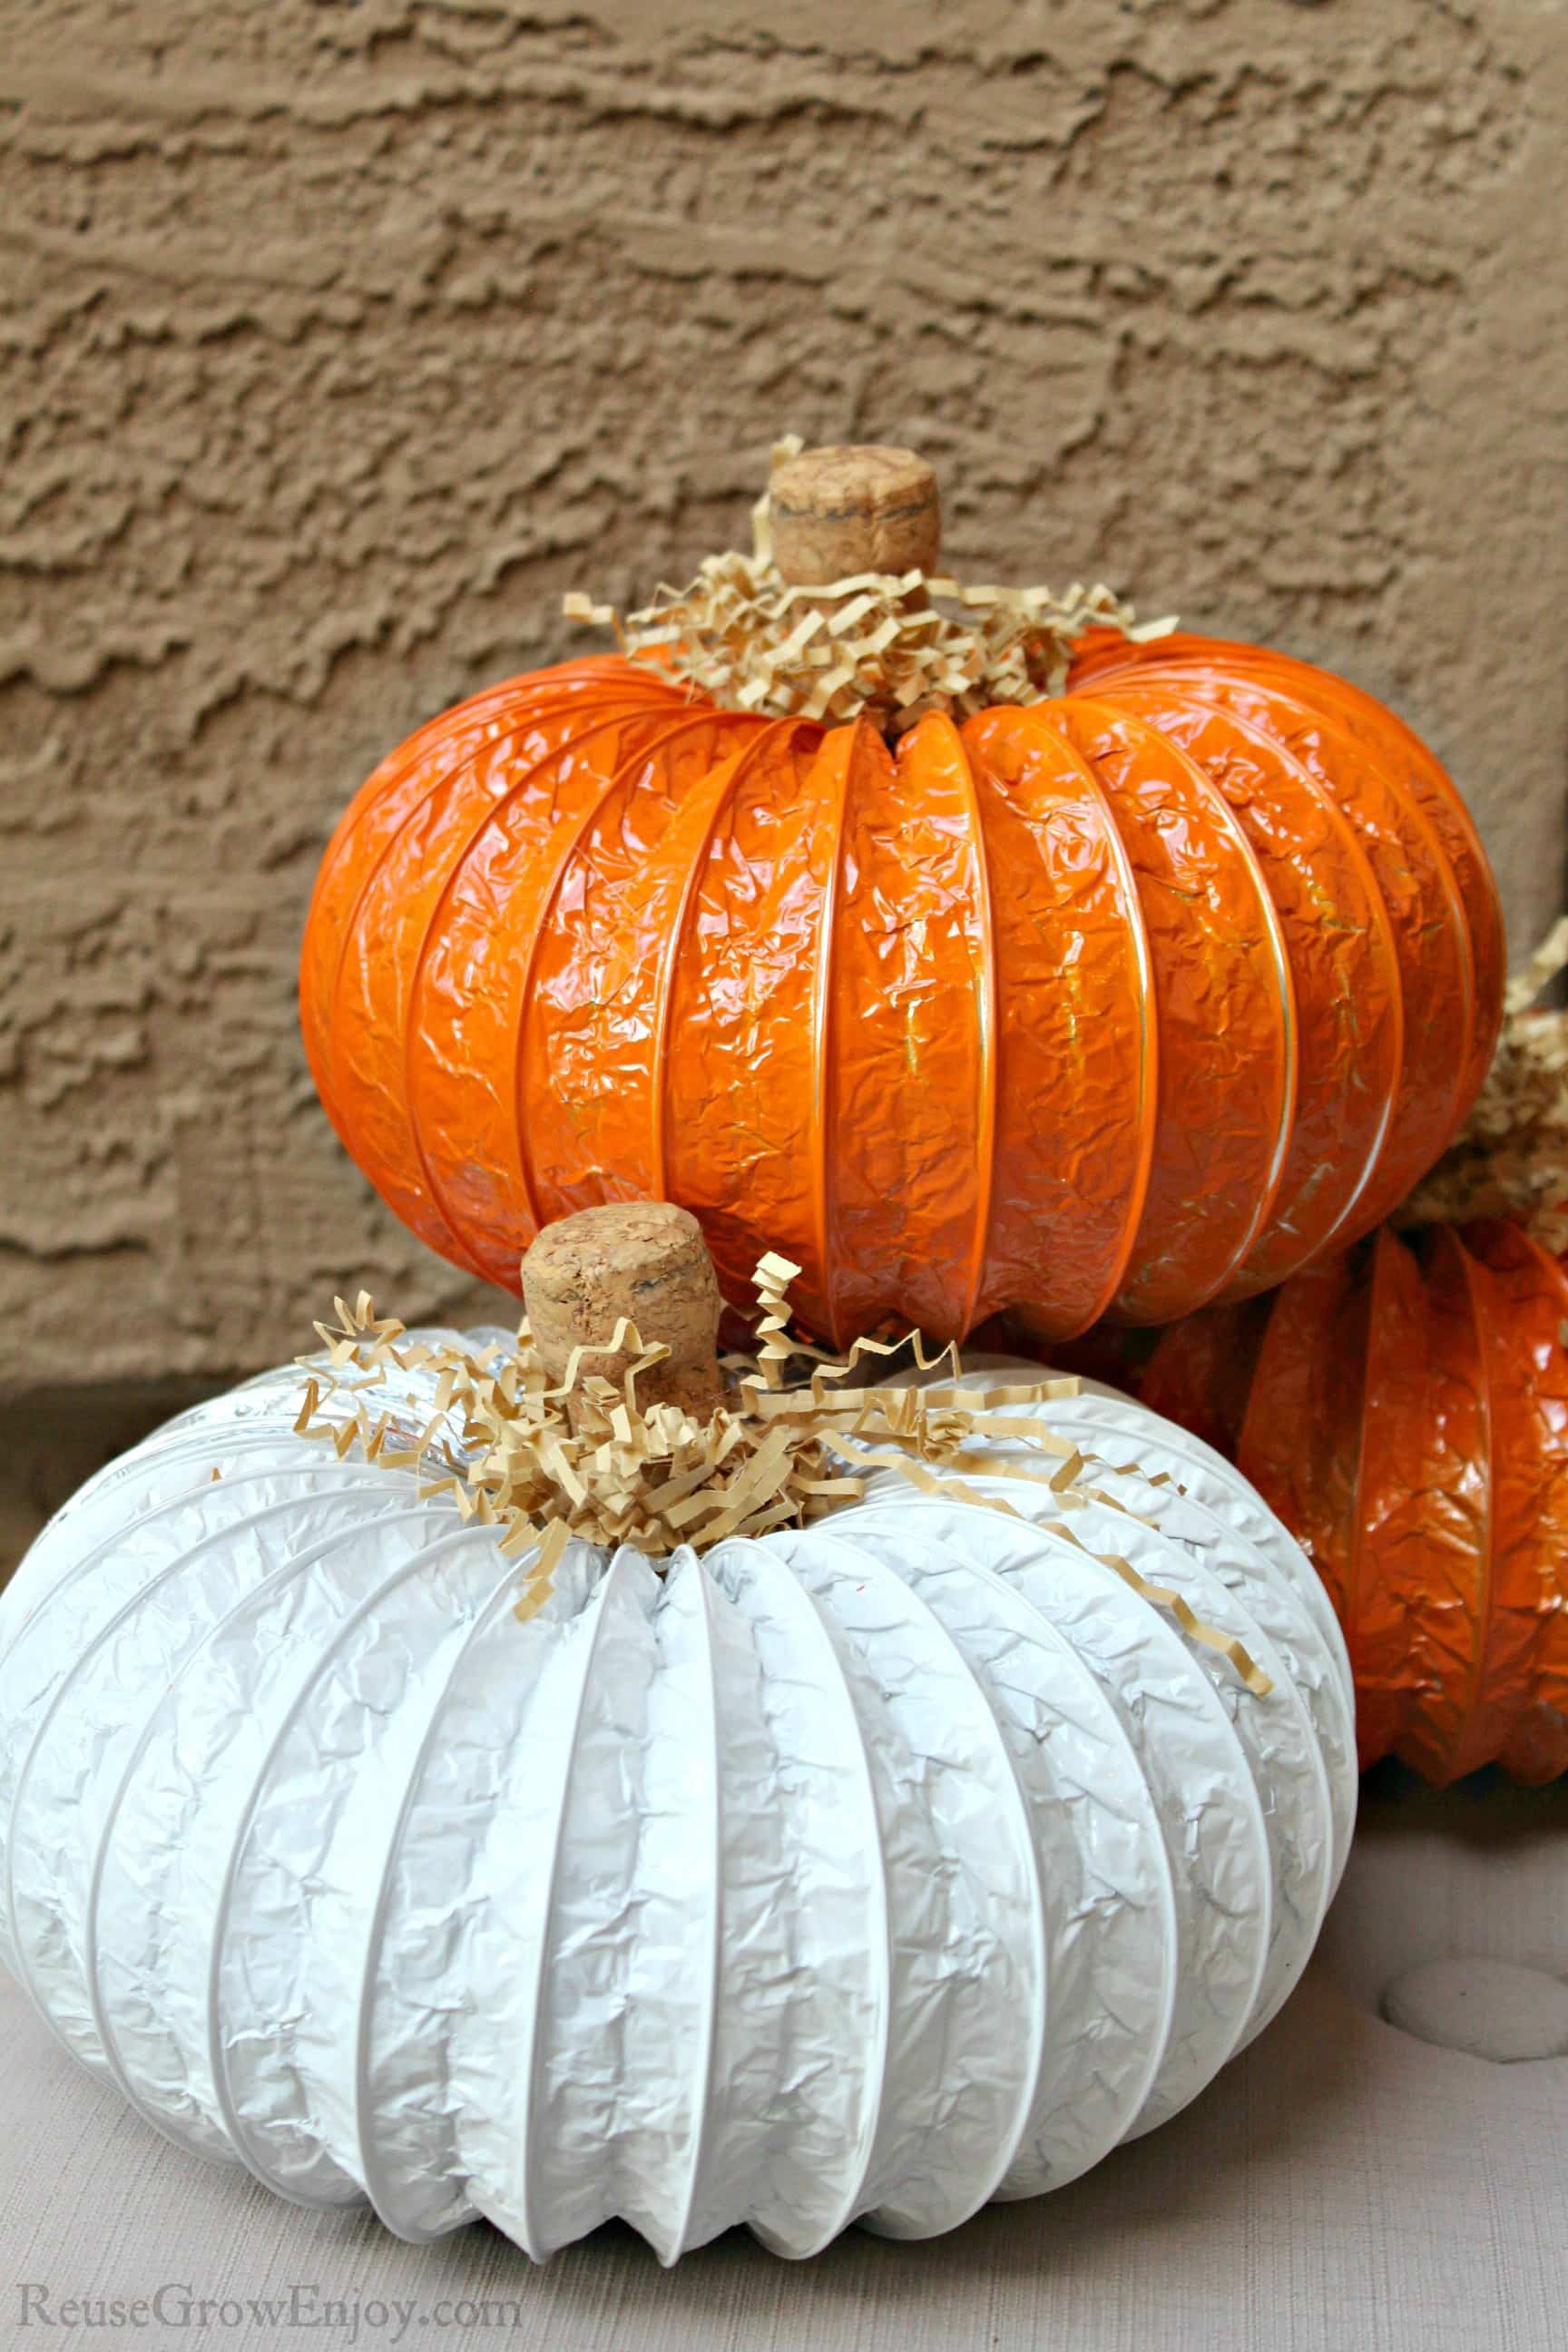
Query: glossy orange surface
[(1406, 1412), (1113, 1006)]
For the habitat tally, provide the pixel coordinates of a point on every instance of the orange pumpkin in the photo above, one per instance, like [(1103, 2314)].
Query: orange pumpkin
[(1403, 1407), (1112, 1002)]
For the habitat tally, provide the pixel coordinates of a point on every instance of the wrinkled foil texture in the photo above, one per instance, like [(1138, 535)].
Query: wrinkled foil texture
[(1113, 1006), (864, 1873), (1404, 1409)]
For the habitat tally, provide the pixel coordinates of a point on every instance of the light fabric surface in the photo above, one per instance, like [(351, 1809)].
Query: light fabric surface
[(1343, 2187)]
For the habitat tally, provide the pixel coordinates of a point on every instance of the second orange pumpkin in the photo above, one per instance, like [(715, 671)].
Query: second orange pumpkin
[(1404, 1407)]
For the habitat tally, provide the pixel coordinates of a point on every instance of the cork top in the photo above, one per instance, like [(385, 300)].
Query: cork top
[(645, 1261), (841, 613), (840, 510)]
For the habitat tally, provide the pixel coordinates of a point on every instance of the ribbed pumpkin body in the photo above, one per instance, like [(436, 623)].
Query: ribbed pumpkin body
[(1404, 1410), (872, 1870), (1114, 1005)]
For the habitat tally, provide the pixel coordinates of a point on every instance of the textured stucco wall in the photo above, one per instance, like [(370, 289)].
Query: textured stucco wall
[(337, 339)]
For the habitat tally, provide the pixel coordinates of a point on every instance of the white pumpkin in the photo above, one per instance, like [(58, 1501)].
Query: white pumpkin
[(865, 1873)]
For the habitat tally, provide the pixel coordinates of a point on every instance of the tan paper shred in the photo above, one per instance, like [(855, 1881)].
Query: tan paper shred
[(895, 646), (1510, 1158), (586, 1459)]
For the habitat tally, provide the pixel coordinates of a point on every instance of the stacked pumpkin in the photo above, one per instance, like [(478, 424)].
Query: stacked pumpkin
[(866, 1868), (659, 1790), (1107, 1001)]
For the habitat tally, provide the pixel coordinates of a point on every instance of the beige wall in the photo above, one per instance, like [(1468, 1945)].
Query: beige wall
[(338, 341)]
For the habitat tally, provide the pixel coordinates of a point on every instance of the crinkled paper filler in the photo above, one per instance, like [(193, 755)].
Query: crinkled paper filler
[(875, 642), (584, 1458)]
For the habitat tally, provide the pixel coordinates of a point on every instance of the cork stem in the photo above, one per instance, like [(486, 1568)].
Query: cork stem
[(645, 1261), (841, 511)]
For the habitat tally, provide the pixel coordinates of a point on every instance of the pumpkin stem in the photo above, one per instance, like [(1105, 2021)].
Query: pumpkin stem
[(839, 511), (831, 617), (639, 1262)]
